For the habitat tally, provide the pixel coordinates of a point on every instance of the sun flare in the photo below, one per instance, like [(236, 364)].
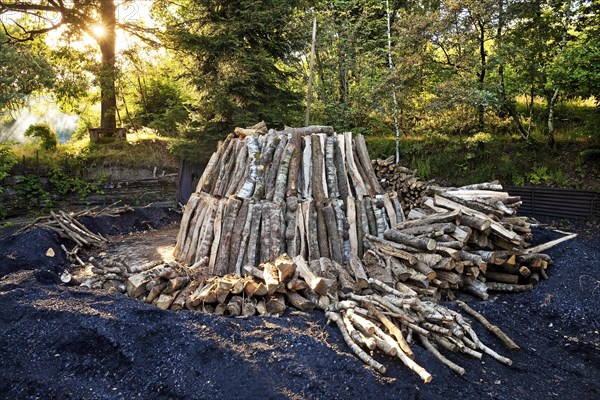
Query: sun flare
[(98, 30)]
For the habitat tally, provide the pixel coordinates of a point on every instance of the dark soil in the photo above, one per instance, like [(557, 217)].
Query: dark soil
[(59, 342)]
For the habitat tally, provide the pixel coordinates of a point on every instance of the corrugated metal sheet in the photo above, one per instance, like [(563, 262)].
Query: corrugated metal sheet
[(557, 203)]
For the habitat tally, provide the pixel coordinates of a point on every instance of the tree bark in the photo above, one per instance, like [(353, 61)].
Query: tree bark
[(107, 73)]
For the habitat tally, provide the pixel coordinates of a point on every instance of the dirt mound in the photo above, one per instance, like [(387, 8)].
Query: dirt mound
[(60, 342), (28, 251), (139, 219)]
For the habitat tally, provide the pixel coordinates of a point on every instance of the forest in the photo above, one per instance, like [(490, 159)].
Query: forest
[(473, 90)]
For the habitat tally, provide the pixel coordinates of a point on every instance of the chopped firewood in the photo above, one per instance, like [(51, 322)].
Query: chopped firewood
[(508, 287), (275, 305), (299, 302), (315, 283)]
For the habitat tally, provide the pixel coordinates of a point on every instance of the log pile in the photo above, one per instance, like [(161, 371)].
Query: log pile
[(379, 275), (381, 317), (67, 225), (301, 191), (396, 178), (465, 239)]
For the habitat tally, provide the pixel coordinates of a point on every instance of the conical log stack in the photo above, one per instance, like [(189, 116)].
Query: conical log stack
[(301, 191)]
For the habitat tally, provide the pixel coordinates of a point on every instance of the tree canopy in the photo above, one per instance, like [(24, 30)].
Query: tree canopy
[(197, 68)]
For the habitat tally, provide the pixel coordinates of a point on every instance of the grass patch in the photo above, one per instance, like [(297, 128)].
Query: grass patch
[(142, 149)]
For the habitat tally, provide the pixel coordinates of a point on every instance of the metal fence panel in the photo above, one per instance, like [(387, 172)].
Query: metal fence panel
[(557, 203)]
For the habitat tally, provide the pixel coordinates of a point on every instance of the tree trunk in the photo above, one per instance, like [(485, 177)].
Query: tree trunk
[(107, 72), (481, 74)]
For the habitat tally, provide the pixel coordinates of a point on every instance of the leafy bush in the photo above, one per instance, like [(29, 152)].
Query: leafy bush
[(45, 134), (589, 155), (64, 184), (7, 160), (31, 192)]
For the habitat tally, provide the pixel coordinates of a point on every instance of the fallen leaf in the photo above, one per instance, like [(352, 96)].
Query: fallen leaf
[(50, 252)]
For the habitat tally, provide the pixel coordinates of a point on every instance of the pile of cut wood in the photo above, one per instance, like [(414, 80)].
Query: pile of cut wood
[(381, 317), (67, 225), (301, 191), (379, 274), (396, 178), (463, 238)]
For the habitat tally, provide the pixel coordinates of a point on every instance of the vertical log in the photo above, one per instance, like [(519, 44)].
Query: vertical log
[(282, 174), (290, 224), (352, 226), (273, 140), (190, 207), (224, 150), (292, 183), (397, 207), (322, 141), (342, 225), (363, 155), (363, 174), (379, 219), (335, 244), (301, 218), (206, 235), (196, 224), (259, 183), (317, 169), (253, 239), (274, 167), (240, 169), (389, 209), (247, 188), (265, 233), (322, 233), (359, 186), (228, 161), (182, 247), (278, 228), (370, 214), (209, 171), (217, 230), (362, 227), (306, 168), (340, 165), (311, 232), (240, 254), (330, 169), (222, 265)]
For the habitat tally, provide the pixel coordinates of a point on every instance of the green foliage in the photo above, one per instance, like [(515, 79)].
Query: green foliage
[(539, 175), (239, 51), (7, 161), (161, 105), (578, 70), (31, 192), (64, 184), (46, 136), (589, 156), (424, 168), (22, 72)]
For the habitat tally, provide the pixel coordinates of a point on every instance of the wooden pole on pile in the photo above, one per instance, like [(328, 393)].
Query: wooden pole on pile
[(310, 71)]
